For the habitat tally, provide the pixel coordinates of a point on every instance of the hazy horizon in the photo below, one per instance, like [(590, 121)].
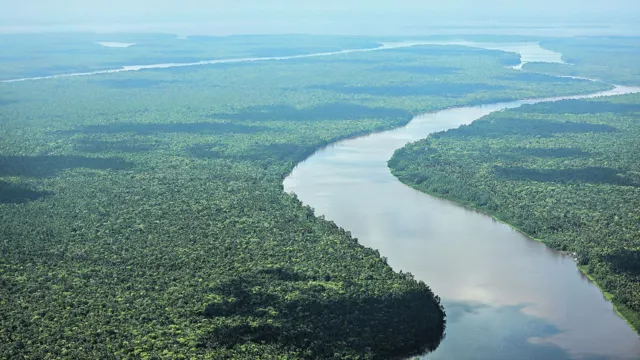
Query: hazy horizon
[(288, 16)]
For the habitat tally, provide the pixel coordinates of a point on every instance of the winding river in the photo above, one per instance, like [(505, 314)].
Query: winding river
[(506, 296)]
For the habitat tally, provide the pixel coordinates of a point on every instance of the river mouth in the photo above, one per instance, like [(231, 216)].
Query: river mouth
[(506, 296)]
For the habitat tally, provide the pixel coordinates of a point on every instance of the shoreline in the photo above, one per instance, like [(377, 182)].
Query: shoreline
[(405, 122), (611, 89), (618, 308)]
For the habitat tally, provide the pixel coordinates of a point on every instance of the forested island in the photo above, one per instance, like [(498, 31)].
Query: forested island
[(564, 173), (143, 214)]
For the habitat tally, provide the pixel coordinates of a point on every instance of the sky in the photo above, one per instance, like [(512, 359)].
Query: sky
[(328, 16)]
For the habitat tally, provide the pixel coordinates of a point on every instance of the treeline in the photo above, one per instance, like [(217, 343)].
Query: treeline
[(572, 181), (143, 214), (608, 58), (193, 256)]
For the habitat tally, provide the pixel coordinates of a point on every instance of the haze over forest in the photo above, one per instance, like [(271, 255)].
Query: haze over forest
[(288, 16), (293, 179)]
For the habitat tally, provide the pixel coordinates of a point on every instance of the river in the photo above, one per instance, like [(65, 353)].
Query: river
[(127, 68), (506, 296)]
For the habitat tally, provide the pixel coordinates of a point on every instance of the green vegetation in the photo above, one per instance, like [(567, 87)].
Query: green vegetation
[(143, 214), (611, 58), (32, 55), (566, 173)]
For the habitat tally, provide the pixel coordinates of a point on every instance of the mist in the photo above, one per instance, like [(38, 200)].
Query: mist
[(290, 16)]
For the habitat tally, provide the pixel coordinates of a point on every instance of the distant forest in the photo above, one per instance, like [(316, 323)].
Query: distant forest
[(608, 58), (143, 214)]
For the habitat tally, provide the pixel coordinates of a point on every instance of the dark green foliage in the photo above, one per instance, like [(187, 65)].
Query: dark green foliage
[(13, 194), (579, 107), (149, 60), (205, 151), (574, 183), (165, 232), (626, 261), (130, 83), (55, 70), (423, 70), (587, 175), (264, 153), (148, 129), (551, 153), (335, 111), (346, 319), (503, 126), (534, 77), (126, 146), (442, 89), (43, 166)]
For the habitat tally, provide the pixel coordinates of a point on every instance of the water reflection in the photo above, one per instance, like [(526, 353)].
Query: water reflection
[(506, 296), (470, 336)]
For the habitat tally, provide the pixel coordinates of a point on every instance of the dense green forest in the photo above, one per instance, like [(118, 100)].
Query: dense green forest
[(566, 173), (143, 214)]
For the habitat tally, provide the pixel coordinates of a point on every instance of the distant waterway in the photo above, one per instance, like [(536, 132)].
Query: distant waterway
[(506, 296), (529, 52), (385, 46), (115, 44)]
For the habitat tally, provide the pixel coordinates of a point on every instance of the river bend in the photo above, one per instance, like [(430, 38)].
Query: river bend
[(506, 296)]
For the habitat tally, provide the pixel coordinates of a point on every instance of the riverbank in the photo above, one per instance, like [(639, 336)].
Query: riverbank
[(560, 181), (630, 317)]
